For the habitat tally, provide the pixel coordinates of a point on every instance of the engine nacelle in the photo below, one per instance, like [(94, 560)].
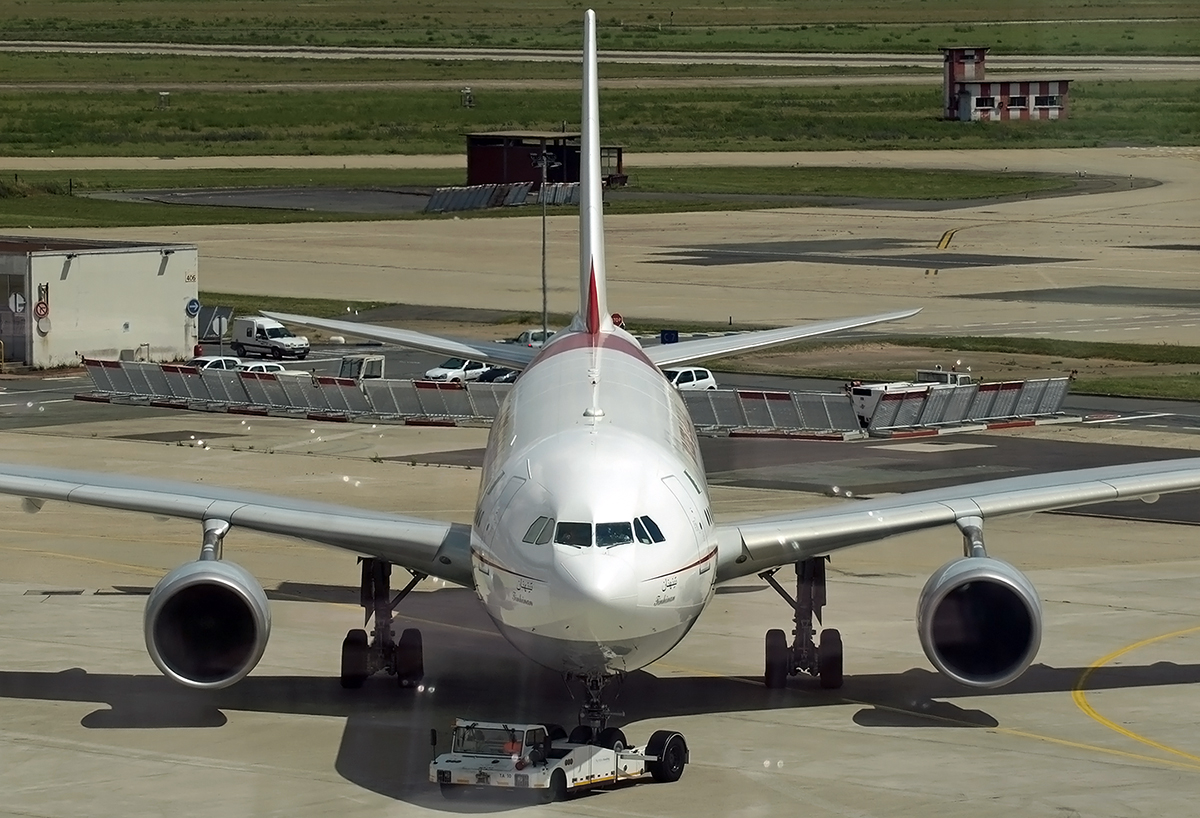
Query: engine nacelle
[(980, 621), (207, 623)]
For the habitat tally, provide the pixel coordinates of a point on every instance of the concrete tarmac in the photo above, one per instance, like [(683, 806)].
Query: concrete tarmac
[(88, 726)]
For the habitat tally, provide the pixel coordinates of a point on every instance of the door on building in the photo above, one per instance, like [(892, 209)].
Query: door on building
[(14, 318)]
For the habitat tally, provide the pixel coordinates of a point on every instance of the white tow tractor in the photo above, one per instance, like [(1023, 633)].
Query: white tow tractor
[(543, 759)]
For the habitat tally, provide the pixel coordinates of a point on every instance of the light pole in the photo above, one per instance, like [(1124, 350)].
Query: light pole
[(544, 160)]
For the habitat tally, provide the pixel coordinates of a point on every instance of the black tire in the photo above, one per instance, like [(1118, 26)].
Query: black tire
[(557, 791), (301, 356), (354, 659), (829, 659), (612, 738), (556, 732), (581, 735), (453, 792), (410, 658), (277, 353), (239, 350), (672, 756), (779, 657)]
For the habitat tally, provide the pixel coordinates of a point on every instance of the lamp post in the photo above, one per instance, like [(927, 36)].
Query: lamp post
[(544, 160)]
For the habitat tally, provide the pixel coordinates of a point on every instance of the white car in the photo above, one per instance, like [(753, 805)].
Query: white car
[(456, 370), (270, 367), (691, 377), (215, 362)]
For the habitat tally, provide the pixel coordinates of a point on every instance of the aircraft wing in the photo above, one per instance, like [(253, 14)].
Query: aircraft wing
[(755, 545), (704, 348), (440, 549), (509, 355)]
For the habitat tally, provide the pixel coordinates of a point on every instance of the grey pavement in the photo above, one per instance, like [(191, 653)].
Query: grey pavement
[(87, 724)]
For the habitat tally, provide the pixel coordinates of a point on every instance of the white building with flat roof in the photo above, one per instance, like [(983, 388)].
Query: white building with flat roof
[(62, 300)]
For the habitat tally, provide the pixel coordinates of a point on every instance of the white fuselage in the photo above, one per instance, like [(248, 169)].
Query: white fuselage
[(593, 434)]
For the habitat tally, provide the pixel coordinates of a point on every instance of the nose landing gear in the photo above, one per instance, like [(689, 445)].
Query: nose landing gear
[(804, 656), (362, 658)]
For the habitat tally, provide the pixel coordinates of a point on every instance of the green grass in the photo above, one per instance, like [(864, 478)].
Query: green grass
[(1143, 26), (315, 307), (1144, 353), (39, 199), (161, 72), (432, 121), (1179, 387)]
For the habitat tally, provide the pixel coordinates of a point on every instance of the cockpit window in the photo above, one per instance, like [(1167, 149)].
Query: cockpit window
[(579, 534), (652, 529), (547, 532), (640, 530), (613, 534), (535, 531)]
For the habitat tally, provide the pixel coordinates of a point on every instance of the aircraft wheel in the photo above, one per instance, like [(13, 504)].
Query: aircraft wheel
[(556, 732), (410, 658), (354, 659), (672, 753), (612, 738), (581, 735), (779, 656), (829, 659)]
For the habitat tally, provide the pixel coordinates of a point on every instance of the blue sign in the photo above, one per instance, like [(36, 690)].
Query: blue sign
[(192, 308)]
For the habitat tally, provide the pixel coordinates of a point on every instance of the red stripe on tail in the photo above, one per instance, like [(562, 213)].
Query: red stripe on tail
[(593, 307)]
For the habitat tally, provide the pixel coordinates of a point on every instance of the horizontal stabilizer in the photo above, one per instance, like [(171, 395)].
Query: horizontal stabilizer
[(509, 355), (704, 348)]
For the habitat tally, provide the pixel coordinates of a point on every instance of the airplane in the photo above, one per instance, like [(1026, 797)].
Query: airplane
[(593, 547)]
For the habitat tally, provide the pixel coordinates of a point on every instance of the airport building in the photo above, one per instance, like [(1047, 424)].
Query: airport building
[(67, 299), (969, 97), (512, 157)]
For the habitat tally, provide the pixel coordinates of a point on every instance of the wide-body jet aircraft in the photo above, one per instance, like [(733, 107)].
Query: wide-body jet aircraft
[(594, 548)]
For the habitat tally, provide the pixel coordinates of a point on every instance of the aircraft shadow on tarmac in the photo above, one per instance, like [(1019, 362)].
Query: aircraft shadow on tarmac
[(473, 673)]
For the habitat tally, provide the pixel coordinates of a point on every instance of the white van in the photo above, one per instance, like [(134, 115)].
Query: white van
[(266, 336)]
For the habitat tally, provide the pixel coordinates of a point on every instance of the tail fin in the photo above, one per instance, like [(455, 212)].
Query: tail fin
[(593, 301)]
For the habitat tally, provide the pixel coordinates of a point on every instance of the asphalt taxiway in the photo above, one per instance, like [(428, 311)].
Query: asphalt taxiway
[(86, 719)]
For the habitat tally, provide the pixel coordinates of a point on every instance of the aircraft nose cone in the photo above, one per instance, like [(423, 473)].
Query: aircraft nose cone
[(598, 576)]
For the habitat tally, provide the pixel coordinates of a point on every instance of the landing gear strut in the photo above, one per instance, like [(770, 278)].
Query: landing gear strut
[(804, 655), (362, 658)]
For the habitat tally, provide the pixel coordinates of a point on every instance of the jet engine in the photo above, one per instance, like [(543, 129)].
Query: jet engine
[(207, 623), (980, 621)]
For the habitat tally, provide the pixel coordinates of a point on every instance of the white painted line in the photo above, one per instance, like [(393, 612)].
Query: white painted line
[(1132, 417), (66, 378), (33, 403)]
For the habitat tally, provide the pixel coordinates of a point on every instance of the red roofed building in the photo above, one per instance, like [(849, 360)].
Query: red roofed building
[(968, 96)]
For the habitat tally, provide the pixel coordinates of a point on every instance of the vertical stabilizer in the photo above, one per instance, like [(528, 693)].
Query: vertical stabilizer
[(593, 301)]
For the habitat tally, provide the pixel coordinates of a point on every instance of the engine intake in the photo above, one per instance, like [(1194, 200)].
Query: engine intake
[(207, 623), (980, 621)]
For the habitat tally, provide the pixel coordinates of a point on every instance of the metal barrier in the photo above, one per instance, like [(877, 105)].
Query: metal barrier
[(754, 411), (478, 197), (945, 405)]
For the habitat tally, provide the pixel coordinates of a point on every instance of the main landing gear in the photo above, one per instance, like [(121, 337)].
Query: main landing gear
[(804, 656), (404, 659)]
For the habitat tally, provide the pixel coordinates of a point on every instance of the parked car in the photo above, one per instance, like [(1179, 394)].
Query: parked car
[(456, 369), (270, 367), (689, 378), (532, 338), (498, 374), (266, 336), (215, 362)]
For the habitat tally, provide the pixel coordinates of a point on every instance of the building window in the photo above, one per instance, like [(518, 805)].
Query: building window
[(1018, 102), (985, 102), (1052, 101)]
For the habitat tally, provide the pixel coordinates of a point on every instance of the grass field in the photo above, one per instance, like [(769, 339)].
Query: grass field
[(1143, 26), (41, 199), (428, 121), (157, 71)]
